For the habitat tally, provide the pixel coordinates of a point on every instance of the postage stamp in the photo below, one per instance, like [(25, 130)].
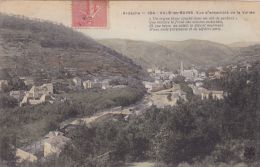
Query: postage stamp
[(90, 13)]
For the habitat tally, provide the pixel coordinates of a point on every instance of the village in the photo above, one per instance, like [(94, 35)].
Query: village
[(163, 91)]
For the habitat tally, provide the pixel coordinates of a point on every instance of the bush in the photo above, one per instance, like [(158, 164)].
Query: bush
[(7, 101)]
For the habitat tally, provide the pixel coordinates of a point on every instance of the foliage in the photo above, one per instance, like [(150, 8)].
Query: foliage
[(7, 101), (30, 123), (7, 150), (190, 132)]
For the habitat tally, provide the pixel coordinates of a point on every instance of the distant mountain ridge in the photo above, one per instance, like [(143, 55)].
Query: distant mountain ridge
[(146, 54), (30, 46), (243, 44), (202, 52), (169, 54)]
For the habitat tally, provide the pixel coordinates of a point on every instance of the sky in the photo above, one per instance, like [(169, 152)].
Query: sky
[(245, 29)]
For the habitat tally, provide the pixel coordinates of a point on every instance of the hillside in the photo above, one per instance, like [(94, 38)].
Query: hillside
[(249, 54), (148, 54), (204, 52), (169, 53), (30, 46), (243, 44)]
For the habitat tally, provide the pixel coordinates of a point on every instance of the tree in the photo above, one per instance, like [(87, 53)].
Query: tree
[(7, 150), (7, 101)]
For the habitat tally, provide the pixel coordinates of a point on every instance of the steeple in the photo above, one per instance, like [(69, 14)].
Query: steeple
[(181, 72)]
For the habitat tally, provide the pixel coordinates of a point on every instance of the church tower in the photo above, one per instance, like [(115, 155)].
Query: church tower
[(181, 72)]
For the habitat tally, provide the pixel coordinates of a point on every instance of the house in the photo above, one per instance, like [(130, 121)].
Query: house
[(167, 84), (17, 94), (148, 85), (77, 82), (205, 93), (119, 86), (197, 90), (3, 83), (42, 99), (87, 84), (189, 74), (216, 74), (28, 81), (199, 84), (179, 94), (37, 94), (157, 86), (25, 156), (202, 75), (217, 95), (50, 145), (157, 71), (172, 76), (106, 84), (168, 97), (38, 91), (54, 145), (150, 70)]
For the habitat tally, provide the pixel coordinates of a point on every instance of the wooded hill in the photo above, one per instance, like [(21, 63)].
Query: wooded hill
[(30, 46), (169, 54)]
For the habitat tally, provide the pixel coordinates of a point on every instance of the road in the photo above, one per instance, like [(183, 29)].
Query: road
[(137, 108)]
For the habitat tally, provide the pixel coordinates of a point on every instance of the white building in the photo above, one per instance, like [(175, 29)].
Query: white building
[(77, 82), (17, 94), (37, 94), (54, 143), (28, 81), (217, 95), (190, 75), (3, 83)]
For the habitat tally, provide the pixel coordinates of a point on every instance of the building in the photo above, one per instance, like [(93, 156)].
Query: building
[(38, 91), (77, 82), (154, 86), (157, 86), (190, 75), (157, 71), (106, 84), (148, 85), (17, 94), (199, 84), (216, 75), (87, 84), (3, 83), (150, 70), (168, 97), (28, 81), (54, 144), (216, 95), (37, 94), (197, 90), (206, 94), (42, 99), (179, 94), (25, 156), (50, 145), (119, 86)]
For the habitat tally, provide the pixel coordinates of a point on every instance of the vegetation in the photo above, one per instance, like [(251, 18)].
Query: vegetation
[(200, 133), (44, 49), (30, 123)]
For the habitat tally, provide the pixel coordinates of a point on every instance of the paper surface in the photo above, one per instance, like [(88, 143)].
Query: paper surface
[(129, 83), (245, 27)]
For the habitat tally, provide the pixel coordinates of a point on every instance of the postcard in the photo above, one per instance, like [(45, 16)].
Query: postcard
[(115, 83)]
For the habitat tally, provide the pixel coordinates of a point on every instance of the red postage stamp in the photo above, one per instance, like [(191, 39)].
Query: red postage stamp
[(90, 13)]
